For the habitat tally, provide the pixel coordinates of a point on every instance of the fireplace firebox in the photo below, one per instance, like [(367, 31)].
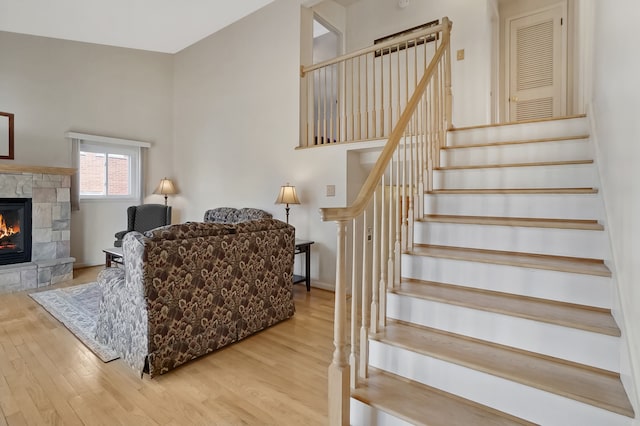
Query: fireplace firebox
[(15, 230)]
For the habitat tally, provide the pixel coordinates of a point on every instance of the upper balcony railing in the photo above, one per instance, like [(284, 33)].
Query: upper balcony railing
[(360, 95)]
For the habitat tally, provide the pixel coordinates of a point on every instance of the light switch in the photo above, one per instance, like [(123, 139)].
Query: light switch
[(460, 54), (331, 190)]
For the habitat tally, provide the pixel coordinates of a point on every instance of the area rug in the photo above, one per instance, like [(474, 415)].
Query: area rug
[(77, 309)]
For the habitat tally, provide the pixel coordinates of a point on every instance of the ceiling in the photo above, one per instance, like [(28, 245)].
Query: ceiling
[(157, 25)]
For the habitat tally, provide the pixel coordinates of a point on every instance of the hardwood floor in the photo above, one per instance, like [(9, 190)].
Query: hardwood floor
[(277, 376)]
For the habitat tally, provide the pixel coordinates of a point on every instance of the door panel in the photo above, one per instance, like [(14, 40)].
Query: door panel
[(537, 65)]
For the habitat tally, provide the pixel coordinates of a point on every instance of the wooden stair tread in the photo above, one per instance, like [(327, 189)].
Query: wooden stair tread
[(515, 123), (516, 221), (505, 165), (590, 385), (423, 405), (536, 261), (516, 142), (580, 317), (515, 191)]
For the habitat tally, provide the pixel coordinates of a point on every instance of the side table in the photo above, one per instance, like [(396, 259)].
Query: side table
[(304, 246), (112, 255)]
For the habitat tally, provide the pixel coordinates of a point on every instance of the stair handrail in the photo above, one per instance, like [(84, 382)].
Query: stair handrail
[(370, 184), (374, 48), (414, 161)]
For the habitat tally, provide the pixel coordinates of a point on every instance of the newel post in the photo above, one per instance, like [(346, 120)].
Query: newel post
[(339, 370)]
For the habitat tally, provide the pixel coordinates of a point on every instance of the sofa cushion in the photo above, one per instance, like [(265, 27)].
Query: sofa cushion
[(187, 230), (248, 213), (233, 215), (221, 215)]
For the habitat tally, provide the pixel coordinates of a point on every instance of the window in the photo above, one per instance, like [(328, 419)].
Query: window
[(109, 171), (106, 168)]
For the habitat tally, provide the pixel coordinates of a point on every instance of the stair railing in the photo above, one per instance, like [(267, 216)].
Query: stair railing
[(381, 220), (360, 95)]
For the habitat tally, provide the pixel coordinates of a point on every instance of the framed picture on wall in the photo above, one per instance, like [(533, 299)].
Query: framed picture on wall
[(6, 136)]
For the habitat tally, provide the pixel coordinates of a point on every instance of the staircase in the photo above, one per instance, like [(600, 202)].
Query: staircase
[(503, 311)]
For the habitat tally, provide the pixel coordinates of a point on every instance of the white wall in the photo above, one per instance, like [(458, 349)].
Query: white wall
[(616, 104), (236, 129), (54, 86), (471, 78), (325, 47)]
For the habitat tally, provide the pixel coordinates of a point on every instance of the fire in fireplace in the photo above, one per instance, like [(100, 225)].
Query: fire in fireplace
[(15, 230), (8, 233)]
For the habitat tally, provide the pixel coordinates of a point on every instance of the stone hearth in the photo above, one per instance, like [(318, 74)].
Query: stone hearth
[(49, 189)]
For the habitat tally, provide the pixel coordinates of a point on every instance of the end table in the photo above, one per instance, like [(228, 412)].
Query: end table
[(304, 246), (112, 255)]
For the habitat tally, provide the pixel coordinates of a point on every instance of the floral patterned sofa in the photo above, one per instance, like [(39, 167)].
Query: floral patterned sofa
[(189, 289)]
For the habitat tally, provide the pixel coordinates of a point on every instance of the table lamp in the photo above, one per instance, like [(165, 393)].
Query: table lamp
[(166, 188), (287, 196)]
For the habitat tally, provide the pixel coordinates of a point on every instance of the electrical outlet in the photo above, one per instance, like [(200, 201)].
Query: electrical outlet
[(460, 54), (331, 190)]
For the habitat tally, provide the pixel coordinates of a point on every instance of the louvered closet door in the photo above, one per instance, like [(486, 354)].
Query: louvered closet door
[(537, 71)]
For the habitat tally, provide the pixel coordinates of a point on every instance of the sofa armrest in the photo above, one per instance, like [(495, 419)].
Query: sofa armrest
[(132, 258), (110, 277), (122, 320), (109, 280)]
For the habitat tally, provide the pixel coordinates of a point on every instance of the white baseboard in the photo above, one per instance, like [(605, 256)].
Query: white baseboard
[(322, 286), (78, 265)]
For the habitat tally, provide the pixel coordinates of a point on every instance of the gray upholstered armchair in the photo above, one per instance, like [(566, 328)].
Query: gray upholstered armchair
[(144, 218)]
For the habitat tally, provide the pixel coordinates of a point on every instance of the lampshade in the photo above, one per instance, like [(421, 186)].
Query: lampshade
[(166, 187), (287, 195)]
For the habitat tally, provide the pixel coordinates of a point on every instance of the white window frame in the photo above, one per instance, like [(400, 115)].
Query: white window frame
[(108, 145), (134, 170)]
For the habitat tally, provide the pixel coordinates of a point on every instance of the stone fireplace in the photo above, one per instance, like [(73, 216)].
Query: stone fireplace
[(47, 190)]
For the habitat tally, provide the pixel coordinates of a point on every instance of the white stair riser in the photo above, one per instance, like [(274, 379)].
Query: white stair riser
[(563, 176), (566, 150), (511, 397), (554, 206), (551, 241), (365, 415), (545, 284), (579, 346), (524, 131)]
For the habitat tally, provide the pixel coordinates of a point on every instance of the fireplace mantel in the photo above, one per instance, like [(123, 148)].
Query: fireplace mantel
[(18, 168)]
